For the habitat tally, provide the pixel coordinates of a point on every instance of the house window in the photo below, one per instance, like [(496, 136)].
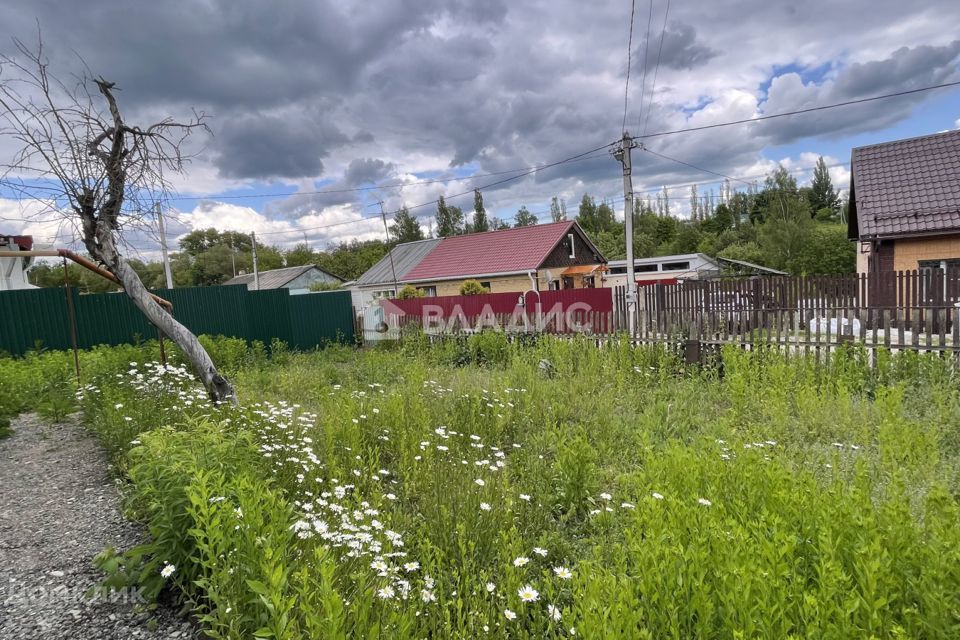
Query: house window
[(382, 294), (429, 292), (676, 266), (644, 268), (567, 282), (486, 285), (588, 282), (554, 285), (950, 264), (573, 246)]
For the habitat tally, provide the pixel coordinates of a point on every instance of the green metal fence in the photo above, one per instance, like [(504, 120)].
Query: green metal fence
[(39, 317)]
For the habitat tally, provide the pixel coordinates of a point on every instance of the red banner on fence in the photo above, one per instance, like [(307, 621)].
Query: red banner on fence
[(585, 300)]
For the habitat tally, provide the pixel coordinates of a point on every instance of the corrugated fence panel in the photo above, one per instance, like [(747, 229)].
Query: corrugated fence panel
[(268, 315), (316, 318), (110, 318), (215, 311), (32, 316)]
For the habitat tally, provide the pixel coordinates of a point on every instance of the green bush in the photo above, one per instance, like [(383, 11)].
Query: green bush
[(472, 288), (408, 292)]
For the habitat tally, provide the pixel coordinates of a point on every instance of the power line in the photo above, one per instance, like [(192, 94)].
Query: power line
[(646, 46), (626, 90), (574, 158), (799, 111), (692, 166), (744, 179), (396, 185), (656, 70)]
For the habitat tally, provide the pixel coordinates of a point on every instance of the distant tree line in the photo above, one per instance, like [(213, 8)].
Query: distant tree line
[(780, 225), (800, 230)]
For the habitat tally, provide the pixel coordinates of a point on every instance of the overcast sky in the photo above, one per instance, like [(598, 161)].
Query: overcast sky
[(316, 95)]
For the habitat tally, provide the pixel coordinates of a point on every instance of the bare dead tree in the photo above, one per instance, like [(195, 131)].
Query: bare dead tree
[(78, 155)]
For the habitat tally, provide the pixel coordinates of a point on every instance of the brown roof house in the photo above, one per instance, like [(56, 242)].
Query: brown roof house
[(905, 204)]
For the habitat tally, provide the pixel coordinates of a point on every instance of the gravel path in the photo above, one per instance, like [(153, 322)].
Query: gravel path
[(58, 509)]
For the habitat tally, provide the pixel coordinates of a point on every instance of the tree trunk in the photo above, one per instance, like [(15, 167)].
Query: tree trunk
[(217, 386)]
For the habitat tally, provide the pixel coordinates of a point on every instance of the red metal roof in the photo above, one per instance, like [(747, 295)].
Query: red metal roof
[(475, 254)]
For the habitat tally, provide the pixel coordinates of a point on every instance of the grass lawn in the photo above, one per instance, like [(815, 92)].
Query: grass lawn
[(463, 490)]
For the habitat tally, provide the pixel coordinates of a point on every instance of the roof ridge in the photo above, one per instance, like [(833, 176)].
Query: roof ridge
[(911, 139)]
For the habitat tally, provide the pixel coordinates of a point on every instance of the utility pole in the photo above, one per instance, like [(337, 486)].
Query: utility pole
[(386, 230), (163, 247), (256, 271), (622, 153)]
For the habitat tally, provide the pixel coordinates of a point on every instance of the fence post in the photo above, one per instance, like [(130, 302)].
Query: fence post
[(72, 319)]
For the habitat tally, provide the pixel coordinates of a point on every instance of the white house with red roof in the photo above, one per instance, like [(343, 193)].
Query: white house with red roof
[(557, 255), (13, 271)]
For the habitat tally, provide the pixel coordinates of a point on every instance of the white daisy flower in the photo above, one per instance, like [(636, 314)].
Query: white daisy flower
[(509, 615), (167, 570), (563, 573), (528, 594), (519, 562)]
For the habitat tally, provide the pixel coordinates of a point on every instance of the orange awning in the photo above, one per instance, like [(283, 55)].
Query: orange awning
[(584, 269)]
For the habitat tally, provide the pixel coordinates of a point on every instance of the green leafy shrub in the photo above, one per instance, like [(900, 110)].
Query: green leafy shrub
[(409, 292), (472, 288)]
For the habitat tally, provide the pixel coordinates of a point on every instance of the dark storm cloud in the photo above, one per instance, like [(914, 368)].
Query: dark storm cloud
[(367, 171), (680, 49), (263, 147), (358, 92)]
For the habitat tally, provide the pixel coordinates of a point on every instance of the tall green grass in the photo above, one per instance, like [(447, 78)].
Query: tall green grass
[(429, 490)]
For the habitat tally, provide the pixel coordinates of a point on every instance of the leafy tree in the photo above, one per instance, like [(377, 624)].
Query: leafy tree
[(822, 194), (720, 221), (558, 210), (449, 219), (496, 224), (595, 218), (406, 227), (349, 260), (299, 256), (472, 288), (827, 251), (687, 239), (746, 251), (480, 222), (587, 215), (524, 218)]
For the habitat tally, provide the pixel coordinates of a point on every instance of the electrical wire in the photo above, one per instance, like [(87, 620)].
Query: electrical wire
[(626, 90), (643, 82), (656, 70), (574, 158), (692, 166), (799, 111), (749, 180)]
